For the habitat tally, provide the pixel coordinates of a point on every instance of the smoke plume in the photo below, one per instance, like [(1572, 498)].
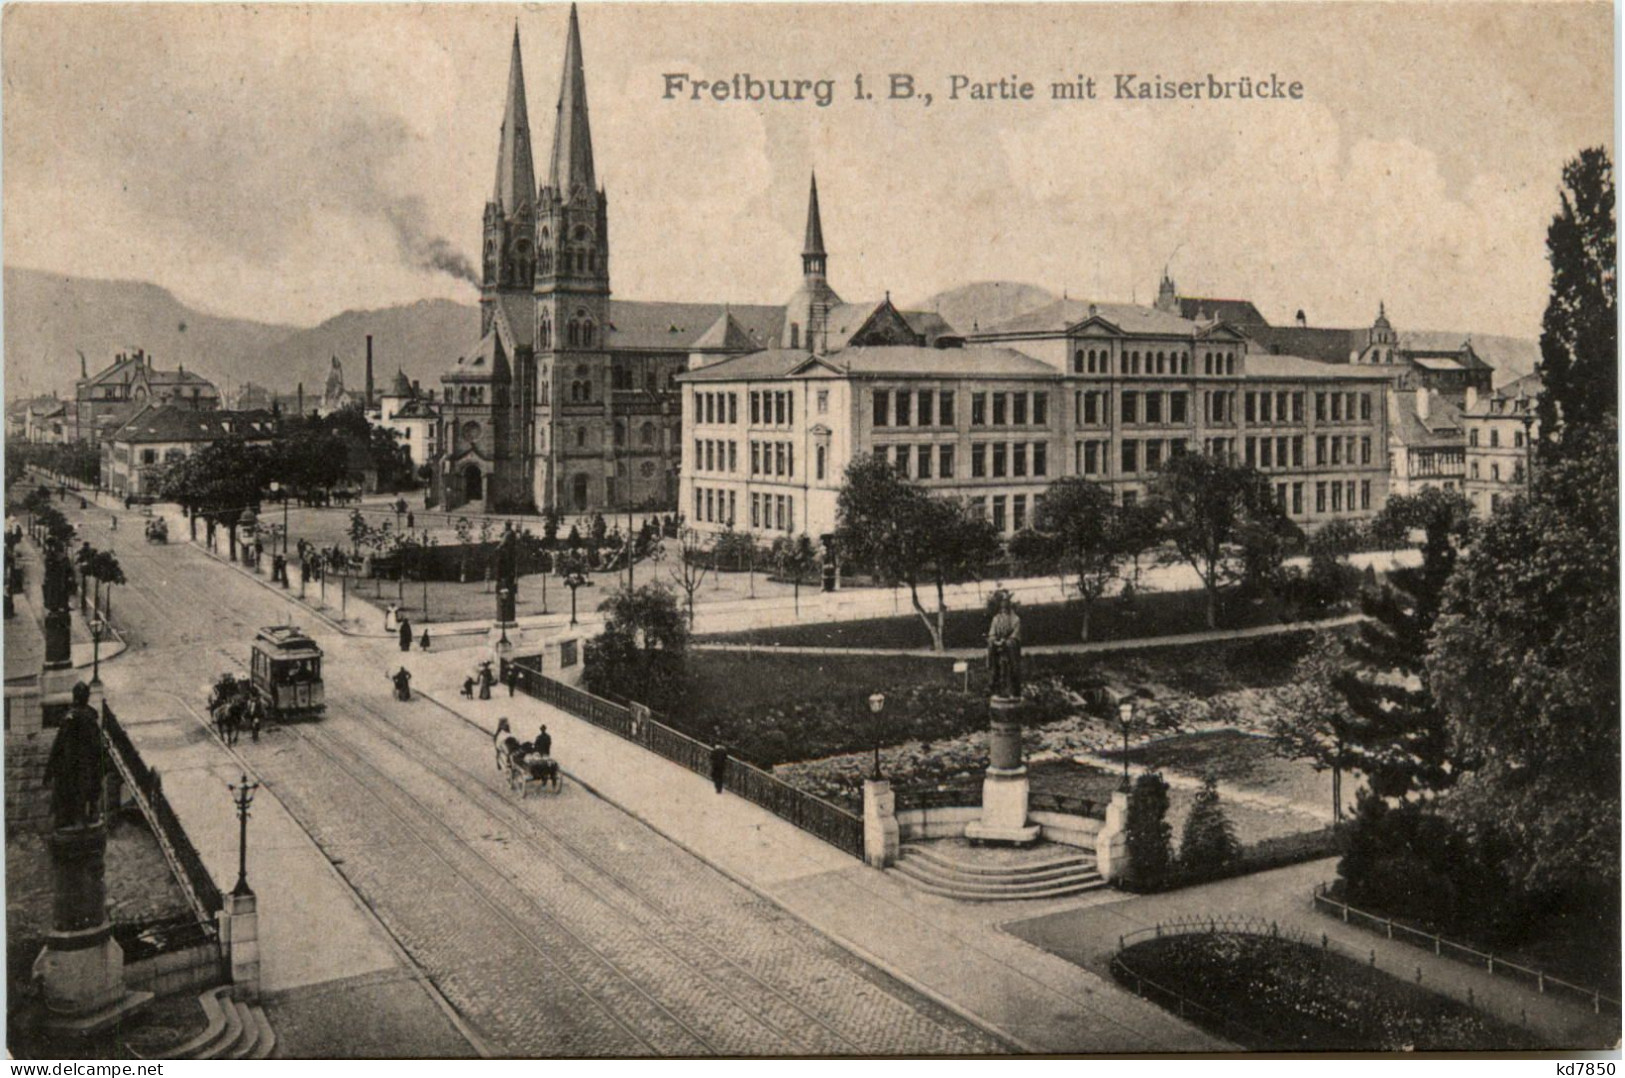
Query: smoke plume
[(421, 247)]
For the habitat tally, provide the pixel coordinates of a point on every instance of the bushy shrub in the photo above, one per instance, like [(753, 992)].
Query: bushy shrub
[(1149, 835), (1412, 862), (1208, 846)]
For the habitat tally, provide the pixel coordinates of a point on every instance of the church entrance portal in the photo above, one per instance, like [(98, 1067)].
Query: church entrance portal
[(578, 490), (473, 484)]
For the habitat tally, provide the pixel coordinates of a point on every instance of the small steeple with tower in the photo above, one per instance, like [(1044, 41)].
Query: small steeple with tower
[(508, 260), (806, 315)]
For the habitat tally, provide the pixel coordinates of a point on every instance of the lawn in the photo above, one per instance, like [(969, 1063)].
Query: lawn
[(1152, 614), (1284, 995), (1234, 758)]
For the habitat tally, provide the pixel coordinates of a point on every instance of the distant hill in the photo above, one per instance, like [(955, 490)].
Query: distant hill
[(985, 303), (422, 338), (50, 318)]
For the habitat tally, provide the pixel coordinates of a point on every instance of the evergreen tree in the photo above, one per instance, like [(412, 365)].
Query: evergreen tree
[(1579, 338), (1148, 833), (1209, 843), (1399, 737)]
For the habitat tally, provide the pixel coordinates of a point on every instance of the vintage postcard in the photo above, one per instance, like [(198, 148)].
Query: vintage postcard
[(810, 530)]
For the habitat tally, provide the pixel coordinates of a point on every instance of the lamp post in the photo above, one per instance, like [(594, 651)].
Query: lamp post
[(243, 797), (97, 624), (1125, 715), (573, 580), (877, 703), (1528, 418)]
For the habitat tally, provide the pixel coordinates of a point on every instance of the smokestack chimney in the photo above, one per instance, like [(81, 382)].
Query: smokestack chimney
[(301, 398), (368, 403)]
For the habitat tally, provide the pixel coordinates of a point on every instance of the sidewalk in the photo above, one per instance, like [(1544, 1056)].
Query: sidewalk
[(953, 953), (1089, 937), (25, 633)]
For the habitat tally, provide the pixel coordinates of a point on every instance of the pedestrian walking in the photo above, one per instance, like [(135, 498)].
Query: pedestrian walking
[(503, 732), (403, 684), (406, 634), (486, 680), (256, 718), (544, 741), (423, 643), (719, 765), (389, 618), (512, 678), (409, 524)]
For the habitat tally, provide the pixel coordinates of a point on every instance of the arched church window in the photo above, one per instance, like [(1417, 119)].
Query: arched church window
[(647, 435), (471, 432), (544, 334), (575, 333), (581, 437), (620, 433), (587, 330)]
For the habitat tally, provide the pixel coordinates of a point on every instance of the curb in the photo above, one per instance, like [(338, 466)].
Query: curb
[(858, 952)]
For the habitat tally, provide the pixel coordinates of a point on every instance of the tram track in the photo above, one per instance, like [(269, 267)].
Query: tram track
[(550, 842)]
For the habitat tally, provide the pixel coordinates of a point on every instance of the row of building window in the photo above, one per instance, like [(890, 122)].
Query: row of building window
[(898, 408), (772, 409), (1341, 450), (1017, 504), (1010, 409), (1099, 361), (775, 511), (715, 506), (1340, 407), (773, 458), (716, 455), (716, 408), (919, 462), (1495, 472), (1495, 438), (994, 458), (1281, 406), (1278, 452)]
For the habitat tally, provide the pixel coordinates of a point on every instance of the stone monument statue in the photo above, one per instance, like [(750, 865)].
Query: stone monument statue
[(1004, 651), (508, 577), (75, 767)]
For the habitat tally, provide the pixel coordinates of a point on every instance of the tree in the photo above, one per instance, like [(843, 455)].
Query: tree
[(909, 537), (1208, 844), (1084, 536), (105, 567), (1222, 519), (795, 557), (1579, 342), (1148, 833), (221, 480), (641, 652), (1317, 723), (1400, 739), (359, 531), (734, 547), (1524, 660), (465, 538), (688, 569)]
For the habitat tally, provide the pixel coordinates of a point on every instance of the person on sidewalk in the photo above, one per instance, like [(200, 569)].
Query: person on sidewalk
[(423, 642), (487, 679), (503, 732), (511, 677), (256, 718), (389, 618), (719, 765), (406, 634), (403, 684), (544, 741)]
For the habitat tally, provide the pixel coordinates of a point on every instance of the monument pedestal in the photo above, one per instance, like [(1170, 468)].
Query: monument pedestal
[(1004, 790), (81, 968), (880, 831)]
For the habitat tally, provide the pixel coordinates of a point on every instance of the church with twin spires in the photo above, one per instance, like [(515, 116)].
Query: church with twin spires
[(566, 400)]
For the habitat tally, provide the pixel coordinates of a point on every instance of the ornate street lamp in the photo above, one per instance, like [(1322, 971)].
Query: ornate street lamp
[(97, 625), (1125, 715), (574, 580), (877, 703), (243, 797)]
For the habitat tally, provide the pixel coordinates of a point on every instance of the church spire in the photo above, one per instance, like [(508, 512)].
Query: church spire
[(572, 138), (813, 255), (516, 171)]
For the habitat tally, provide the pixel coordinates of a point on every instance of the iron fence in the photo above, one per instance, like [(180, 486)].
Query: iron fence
[(946, 795), (172, 838), (637, 724), (1543, 982), (1045, 801)]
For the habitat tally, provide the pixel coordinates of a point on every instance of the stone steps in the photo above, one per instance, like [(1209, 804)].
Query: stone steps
[(971, 882), (235, 1030)]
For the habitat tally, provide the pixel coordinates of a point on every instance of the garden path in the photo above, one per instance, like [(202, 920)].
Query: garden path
[(1089, 938)]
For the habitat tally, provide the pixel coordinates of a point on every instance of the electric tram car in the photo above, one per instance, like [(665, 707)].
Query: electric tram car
[(286, 673)]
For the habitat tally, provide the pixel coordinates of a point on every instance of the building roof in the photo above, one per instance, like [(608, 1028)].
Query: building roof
[(400, 385), (1063, 314), (725, 335), (1440, 430), (636, 325), (887, 361), (164, 423), (516, 172), (814, 242), (571, 164), (1312, 342), (1512, 400), (477, 363), (1269, 365), (1238, 312)]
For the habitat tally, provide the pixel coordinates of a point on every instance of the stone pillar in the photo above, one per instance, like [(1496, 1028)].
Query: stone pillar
[(1111, 841), (1004, 790), (880, 835), (240, 937), (81, 968)]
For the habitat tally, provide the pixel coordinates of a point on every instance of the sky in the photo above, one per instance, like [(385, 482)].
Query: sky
[(287, 163)]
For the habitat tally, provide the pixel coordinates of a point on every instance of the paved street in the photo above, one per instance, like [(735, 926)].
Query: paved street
[(553, 926)]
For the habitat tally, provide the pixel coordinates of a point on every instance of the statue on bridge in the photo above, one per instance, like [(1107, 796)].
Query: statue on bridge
[(74, 769), (1004, 651), (508, 576)]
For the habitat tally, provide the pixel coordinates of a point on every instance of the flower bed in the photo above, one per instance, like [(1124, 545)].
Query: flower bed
[(1277, 994)]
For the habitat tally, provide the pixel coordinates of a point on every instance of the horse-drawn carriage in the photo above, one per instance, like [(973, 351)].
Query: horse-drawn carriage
[(285, 677), (157, 530), (526, 769)]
